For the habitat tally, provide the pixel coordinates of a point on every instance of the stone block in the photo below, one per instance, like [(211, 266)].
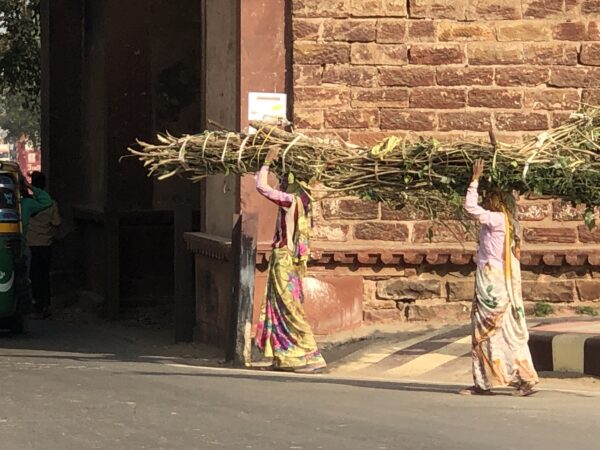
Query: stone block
[(391, 31), (407, 76), (454, 312), (551, 53), (350, 208), (576, 77), (332, 233), (460, 290), (493, 53), (525, 30), (521, 121), (588, 290), (349, 30), (533, 211), (407, 289), (564, 212), (451, 232), (465, 31), (464, 76), (436, 54), (552, 99), (521, 76), (306, 29), (352, 118), (438, 98), (378, 54), (590, 7), (538, 235), (350, 75), (590, 54), (470, 120), (406, 213), (320, 8), (398, 119), (421, 31), (570, 31), (588, 236), (542, 9), (380, 97), (383, 315), (321, 53), (381, 231), (307, 75), (321, 97), (552, 291), (438, 9), (495, 98), (308, 118)]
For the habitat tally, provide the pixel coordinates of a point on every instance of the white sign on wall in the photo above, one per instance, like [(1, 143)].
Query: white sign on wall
[(267, 107)]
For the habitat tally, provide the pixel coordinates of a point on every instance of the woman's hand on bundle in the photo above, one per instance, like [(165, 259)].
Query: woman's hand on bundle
[(477, 169), (272, 155)]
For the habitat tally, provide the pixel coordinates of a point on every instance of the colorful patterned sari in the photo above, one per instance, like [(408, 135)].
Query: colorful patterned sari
[(283, 332), (501, 355)]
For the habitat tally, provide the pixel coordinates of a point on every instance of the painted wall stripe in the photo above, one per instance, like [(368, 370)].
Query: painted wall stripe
[(568, 352)]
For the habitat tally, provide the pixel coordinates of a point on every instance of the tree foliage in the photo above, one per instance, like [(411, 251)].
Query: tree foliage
[(20, 67)]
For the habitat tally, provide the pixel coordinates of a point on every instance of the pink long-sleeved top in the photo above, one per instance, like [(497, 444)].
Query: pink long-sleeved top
[(281, 199), (493, 230)]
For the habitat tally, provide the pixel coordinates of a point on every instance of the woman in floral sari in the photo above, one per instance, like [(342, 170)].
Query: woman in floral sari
[(283, 332), (500, 352)]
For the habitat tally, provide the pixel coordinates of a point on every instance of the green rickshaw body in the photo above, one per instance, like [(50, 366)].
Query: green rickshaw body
[(11, 249)]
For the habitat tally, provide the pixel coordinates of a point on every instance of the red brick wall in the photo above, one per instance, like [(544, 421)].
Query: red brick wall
[(451, 69)]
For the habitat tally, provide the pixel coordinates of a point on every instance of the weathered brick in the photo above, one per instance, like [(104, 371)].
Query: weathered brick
[(381, 231), (436, 54), (369, 8), (553, 292), (409, 289), (350, 30), (438, 9), (467, 120), (307, 75), (529, 212), (540, 9), (335, 136), (563, 211), (484, 53), (551, 99), (553, 53), (320, 8), (379, 54), (391, 31), (306, 29), (590, 7), (590, 54), (317, 53), (362, 76), (406, 213), (521, 76), (406, 76), (570, 31), (308, 118), (588, 290), (460, 290), (438, 98), (494, 9), (395, 8), (333, 233), (383, 97), (521, 121), (319, 97), (593, 31), (465, 31), (588, 236), (464, 76), (451, 312), (349, 208), (450, 231), (495, 98), (398, 119), (591, 96), (560, 118), (577, 77), (540, 235), (523, 31), (352, 118), (421, 31)]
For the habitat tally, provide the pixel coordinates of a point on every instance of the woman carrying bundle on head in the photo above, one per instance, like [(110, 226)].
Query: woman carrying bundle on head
[(500, 351), (283, 332)]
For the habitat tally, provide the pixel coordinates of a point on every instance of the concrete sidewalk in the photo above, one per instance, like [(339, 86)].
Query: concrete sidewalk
[(566, 345)]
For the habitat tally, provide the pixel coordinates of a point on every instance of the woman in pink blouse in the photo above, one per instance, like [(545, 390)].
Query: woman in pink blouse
[(283, 332), (500, 352)]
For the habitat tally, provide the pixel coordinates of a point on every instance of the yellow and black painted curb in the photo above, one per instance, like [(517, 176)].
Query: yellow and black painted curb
[(566, 352)]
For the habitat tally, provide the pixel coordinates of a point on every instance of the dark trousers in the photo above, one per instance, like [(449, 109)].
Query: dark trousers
[(39, 274)]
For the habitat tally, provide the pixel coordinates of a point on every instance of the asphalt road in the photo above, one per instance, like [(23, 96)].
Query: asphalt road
[(75, 387)]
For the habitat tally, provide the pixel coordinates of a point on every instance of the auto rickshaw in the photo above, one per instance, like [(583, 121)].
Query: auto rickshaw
[(13, 279)]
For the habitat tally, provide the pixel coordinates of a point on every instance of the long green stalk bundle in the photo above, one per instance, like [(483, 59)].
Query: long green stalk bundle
[(563, 162)]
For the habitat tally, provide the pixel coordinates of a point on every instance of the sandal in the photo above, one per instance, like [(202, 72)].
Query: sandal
[(525, 390), (474, 390), (311, 368)]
